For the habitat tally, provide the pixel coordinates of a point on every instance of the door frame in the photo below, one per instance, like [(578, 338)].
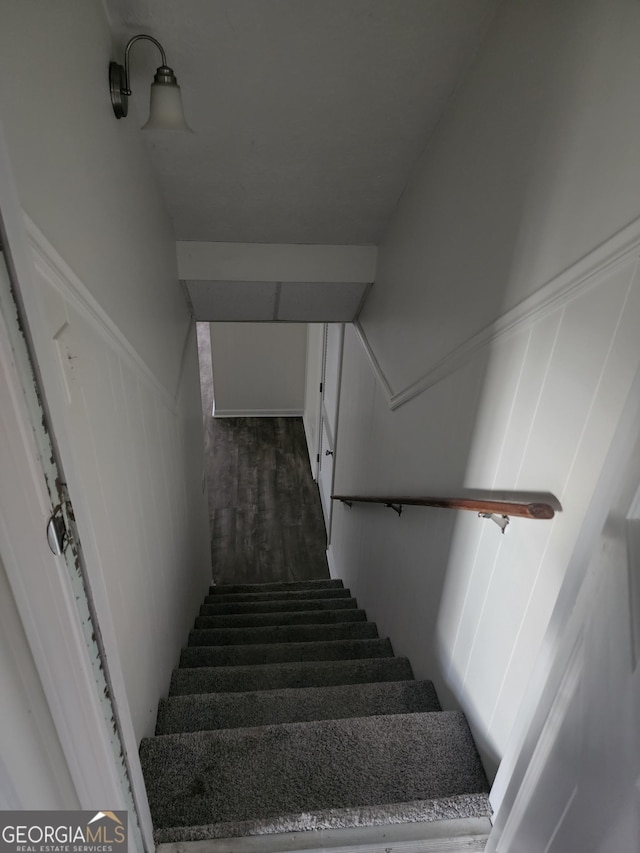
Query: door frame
[(41, 583), (320, 415), (331, 429)]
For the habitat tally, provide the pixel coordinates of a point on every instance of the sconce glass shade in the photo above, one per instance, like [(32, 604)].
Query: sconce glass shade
[(165, 108)]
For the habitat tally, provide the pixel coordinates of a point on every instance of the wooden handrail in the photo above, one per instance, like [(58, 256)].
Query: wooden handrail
[(534, 509)]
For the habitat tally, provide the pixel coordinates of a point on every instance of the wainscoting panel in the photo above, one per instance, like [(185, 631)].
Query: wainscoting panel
[(533, 408), (133, 455)]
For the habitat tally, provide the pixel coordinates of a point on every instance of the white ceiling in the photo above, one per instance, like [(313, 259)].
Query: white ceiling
[(308, 114)]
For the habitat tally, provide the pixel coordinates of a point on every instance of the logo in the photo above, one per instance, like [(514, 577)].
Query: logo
[(63, 832)]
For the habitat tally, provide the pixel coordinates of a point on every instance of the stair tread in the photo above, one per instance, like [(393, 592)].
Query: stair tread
[(308, 766), (292, 617), (215, 607), (281, 652), (274, 586), (282, 634), (277, 595), (201, 712), (187, 681)]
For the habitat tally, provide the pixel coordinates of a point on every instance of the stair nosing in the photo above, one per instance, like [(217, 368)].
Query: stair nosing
[(282, 586), (286, 615), (278, 602), (210, 711), (326, 644), (305, 626), (239, 732), (322, 592), (232, 694), (294, 662), (322, 819), (303, 669)]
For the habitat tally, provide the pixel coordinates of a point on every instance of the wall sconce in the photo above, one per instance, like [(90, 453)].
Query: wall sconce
[(165, 109)]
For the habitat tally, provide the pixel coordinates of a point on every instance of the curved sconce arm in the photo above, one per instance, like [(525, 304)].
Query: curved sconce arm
[(126, 90), (166, 111)]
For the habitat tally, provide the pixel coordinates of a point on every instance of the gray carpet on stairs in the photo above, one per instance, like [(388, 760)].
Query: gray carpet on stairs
[(281, 652), (214, 607), (283, 634), (293, 617), (297, 595), (238, 679), (288, 713), (247, 774), (268, 707), (277, 586)]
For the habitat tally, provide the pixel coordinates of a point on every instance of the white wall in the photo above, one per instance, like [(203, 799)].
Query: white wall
[(33, 770), (85, 178), (258, 368), (312, 395), (535, 163), (113, 338)]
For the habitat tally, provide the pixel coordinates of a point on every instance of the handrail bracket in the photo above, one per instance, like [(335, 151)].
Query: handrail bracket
[(501, 520), (348, 503), (395, 507)]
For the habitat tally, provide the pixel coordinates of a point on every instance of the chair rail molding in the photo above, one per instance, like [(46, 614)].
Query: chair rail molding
[(560, 290), (56, 270)]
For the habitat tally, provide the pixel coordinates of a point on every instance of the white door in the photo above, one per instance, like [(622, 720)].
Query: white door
[(47, 581), (331, 371), (580, 785)]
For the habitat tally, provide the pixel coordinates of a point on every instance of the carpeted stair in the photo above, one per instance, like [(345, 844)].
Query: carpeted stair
[(288, 713)]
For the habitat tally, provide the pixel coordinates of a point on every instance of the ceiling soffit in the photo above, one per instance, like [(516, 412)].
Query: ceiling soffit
[(268, 282)]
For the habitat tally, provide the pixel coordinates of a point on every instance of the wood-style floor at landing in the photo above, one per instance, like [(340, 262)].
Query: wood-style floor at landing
[(264, 506)]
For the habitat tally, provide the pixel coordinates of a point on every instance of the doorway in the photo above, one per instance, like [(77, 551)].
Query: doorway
[(329, 408)]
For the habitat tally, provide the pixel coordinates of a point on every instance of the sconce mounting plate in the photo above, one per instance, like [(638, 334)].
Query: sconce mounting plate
[(117, 86)]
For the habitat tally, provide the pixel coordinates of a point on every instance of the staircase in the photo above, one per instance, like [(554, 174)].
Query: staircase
[(289, 713)]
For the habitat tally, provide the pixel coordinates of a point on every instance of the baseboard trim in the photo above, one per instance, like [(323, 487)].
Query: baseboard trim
[(258, 413)]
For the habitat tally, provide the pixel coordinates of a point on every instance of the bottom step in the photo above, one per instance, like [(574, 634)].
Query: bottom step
[(443, 836)]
